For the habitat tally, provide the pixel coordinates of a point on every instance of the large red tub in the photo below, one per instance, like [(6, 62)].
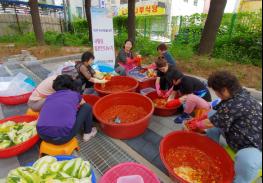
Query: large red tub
[(21, 148), (15, 100), (117, 84), (159, 111), (203, 143), (149, 83), (124, 130), (91, 99)]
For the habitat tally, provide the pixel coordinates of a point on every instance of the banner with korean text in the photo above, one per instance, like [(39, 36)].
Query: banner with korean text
[(103, 37)]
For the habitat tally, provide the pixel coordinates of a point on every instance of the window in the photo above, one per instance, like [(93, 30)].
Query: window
[(195, 2), (186, 1), (79, 12)]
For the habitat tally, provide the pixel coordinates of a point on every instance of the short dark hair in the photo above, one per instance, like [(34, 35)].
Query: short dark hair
[(64, 82), (224, 79), (161, 62), (87, 56), (162, 47), (128, 40), (174, 75)]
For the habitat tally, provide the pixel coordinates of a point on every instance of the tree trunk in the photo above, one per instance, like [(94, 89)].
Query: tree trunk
[(36, 22), (131, 20), (213, 21), (88, 15)]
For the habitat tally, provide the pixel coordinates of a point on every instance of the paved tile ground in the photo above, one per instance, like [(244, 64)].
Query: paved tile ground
[(146, 145)]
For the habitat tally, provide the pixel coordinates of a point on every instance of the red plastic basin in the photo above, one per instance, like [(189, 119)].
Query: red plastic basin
[(118, 80), (21, 148), (124, 130), (128, 169), (91, 99), (161, 111), (149, 83), (15, 100), (203, 143)]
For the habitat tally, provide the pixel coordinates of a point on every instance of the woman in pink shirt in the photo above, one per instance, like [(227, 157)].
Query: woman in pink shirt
[(45, 89)]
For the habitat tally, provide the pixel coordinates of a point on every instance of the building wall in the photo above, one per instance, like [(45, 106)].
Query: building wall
[(241, 5), (250, 5), (51, 2), (187, 7), (230, 6), (77, 8)]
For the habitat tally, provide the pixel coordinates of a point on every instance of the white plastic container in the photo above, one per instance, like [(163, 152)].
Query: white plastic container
[(130, 179)]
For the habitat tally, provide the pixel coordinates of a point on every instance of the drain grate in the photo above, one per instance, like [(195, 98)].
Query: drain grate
[(103, 153), (14, 66), (40, 71)]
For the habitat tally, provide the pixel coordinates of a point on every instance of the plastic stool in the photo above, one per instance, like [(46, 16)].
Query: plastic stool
[(54, 150), (232, 154), (32, 113)]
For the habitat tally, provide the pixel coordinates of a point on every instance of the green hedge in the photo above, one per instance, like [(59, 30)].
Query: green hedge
[(239, 38)]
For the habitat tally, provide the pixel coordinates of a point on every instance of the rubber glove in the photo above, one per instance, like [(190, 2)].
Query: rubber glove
[(197, 123), (158, 89), (168, 93)]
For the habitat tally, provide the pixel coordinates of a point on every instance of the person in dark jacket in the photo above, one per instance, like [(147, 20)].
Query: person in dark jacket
[(163, 51), (86, 74), (186, 85)]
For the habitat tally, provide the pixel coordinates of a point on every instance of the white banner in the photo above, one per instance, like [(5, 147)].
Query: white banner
[(103, 36)]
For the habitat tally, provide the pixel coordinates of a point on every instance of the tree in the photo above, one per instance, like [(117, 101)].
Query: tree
[(213, 21), (36, 22), (131, 20), (88, 15)]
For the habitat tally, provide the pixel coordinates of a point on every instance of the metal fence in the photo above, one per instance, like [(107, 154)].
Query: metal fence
[(190, 27)]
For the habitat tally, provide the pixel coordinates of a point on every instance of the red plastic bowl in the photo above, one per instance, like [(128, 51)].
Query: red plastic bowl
[(161, 111), (128, 130), (91, 99), (15, 100), (21, 148), (149, 83), (118, 80), (128, 169), (203, 143)]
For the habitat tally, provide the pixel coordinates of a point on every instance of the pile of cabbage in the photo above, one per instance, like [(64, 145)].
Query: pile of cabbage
[(12, 133), (49, 170)]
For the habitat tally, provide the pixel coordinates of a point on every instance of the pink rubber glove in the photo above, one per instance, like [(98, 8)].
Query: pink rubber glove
[(168, 93), (158, 89), (201, 124)]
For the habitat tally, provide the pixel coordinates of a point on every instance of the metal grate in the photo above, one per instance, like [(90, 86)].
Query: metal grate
[(14, 66), (103, 153), (40, 71)]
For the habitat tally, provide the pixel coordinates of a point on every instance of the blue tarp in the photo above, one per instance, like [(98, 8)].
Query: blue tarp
[(26, 3)]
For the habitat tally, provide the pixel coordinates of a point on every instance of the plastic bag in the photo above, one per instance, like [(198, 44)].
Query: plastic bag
[(59, 69), (4, 83), (17, 85)]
